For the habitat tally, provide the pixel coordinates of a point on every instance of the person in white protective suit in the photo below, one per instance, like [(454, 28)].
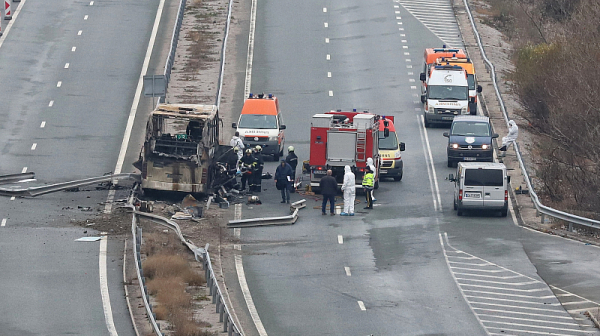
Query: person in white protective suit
[(236, 141), (372, 167), (349, 190), (513, 133)]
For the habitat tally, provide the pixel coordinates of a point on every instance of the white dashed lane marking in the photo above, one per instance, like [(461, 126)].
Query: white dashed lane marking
[(24, 170), (91, 3), (85, 17), (361, 305), (3, 222), (43, 124), (340, 239), (437, 16), (13, 198), (328, 74), (326, 24), (324, 9), (73, 49), (80, 32), (508, 302), (51, 102), (34, 146), (347, 269), (59, 84), (328, 57), (330, 93), (66, 65)]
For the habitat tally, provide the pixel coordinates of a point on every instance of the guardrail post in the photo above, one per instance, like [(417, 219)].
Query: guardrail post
[(570, 227), (221, 312), (225, 323), (214, 294), (542, 216)]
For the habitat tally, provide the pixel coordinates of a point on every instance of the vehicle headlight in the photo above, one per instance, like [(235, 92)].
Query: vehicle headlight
[(485, 146), (397, 154), (454, 146), (431, 109), (464, 110), (273, 138)]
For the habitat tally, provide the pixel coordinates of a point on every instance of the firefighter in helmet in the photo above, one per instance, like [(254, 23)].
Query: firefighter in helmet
[(260, 164), (247, 166)]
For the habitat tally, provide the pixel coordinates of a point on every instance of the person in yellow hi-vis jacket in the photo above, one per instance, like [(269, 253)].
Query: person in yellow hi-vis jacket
[(367, 183)]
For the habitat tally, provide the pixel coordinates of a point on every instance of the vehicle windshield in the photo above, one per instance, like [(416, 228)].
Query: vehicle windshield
[(470, 128), (471, 81), (389, 143), (258, 121), (447, 92), (484, 177)]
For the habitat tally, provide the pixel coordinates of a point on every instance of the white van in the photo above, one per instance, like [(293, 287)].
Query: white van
[(481, 186)]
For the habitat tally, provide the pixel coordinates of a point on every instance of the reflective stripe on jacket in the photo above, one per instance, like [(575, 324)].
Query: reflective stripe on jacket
[(368, 180)]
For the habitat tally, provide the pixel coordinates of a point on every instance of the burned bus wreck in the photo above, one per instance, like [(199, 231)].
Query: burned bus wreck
[(181, 141)]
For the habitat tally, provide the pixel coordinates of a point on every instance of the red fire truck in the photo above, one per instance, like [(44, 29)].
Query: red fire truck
[(341, 138)]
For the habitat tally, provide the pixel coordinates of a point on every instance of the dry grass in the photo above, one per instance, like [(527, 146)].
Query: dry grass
[(169, 273)]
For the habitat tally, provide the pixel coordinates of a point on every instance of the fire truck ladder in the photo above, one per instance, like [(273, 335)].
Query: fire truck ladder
[(361, 145)]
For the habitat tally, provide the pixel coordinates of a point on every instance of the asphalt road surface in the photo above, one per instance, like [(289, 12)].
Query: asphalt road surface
[(68, 73), (410, 266)]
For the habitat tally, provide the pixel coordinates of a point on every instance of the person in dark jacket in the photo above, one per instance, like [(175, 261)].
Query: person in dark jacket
[(247, 165), (283, 180), (328, 186), (292, 160), (260, 164)]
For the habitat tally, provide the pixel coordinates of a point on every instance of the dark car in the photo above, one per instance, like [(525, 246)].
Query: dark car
[(470, 139)]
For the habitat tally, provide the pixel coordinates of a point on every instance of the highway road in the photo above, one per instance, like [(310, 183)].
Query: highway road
[(410, 266), (68, 74)]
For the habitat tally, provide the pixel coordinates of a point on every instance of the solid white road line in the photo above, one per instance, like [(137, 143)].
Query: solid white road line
[(43, 124), (347, 269), (435, 205), (362, 305), (11, 22), (531, 326), (525, 313), (134, 105), (3, 222), (510, 306), (248, 297), (24, 170), (108, 316), (340, 239), (51, 103), (435, 181), (59, 84), (34, 146), (250, 55)]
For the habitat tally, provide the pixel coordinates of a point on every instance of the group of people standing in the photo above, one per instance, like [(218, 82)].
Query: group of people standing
[(251, 163), (328, 186)]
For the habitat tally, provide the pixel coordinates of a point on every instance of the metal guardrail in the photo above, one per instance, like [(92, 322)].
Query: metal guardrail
[(223, 50), (229, 325), (282, 220), (543, 209), (174, 41), (16, 177), (46, 189)]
